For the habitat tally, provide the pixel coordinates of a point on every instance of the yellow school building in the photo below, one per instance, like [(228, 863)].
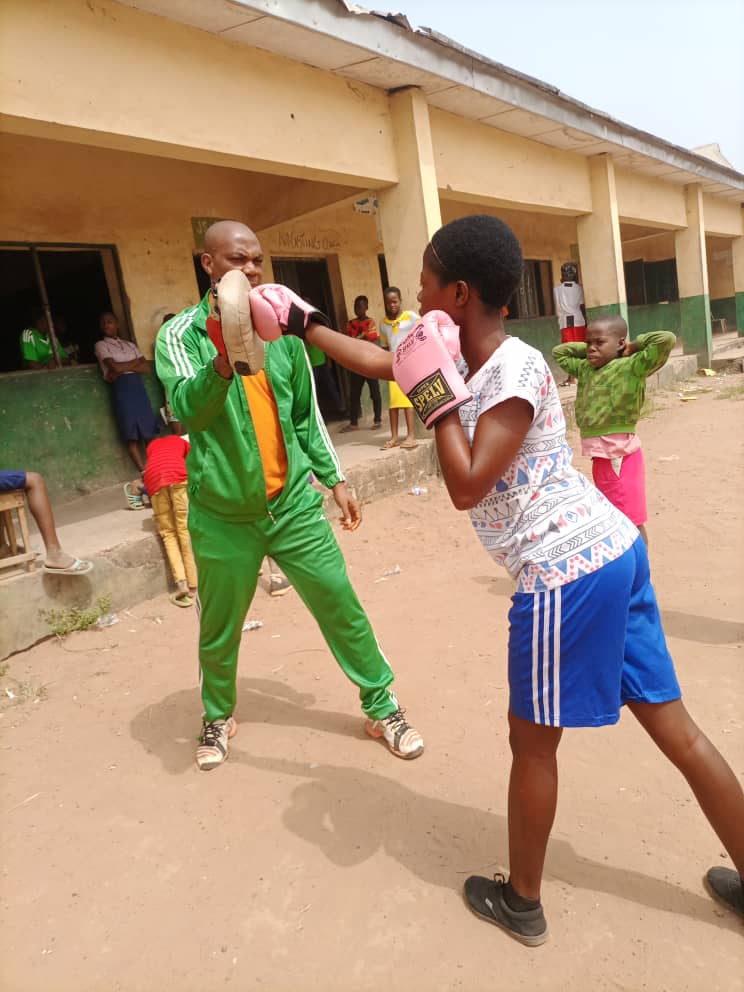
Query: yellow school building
[(344, 139)]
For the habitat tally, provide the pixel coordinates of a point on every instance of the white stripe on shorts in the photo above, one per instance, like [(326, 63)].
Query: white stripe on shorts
[(546, 660), (535, 630), (557, 658)]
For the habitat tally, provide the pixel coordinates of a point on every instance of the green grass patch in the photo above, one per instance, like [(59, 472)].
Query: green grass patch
[(67, 621)]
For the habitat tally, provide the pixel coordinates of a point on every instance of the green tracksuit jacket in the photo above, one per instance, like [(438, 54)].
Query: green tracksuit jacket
[(225, 472), (233, 525), (609, 400)]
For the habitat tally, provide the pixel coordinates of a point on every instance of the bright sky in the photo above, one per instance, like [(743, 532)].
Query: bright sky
[(671, 67)]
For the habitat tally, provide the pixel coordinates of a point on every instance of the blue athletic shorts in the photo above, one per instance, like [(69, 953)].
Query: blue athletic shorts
[(579, 652), (11, 479)]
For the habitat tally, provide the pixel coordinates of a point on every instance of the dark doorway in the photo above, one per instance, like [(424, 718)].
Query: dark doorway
[(309, 278)]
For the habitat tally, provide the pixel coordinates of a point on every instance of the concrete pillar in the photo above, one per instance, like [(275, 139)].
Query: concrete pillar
[(692, 279), (737, 257), (409, 211), (600, 248)]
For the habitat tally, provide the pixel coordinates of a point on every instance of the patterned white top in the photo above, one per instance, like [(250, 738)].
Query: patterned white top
[(544, 521)]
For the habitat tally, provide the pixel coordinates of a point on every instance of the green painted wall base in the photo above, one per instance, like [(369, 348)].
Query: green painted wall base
[(654, 317), (740, 313), (617, 309), (62, 425), (725, 307), (695, 329)]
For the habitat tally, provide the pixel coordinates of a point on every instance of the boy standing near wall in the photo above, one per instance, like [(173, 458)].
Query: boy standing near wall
[(570, 308)]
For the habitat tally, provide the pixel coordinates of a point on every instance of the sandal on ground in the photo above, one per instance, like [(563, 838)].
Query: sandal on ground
[(79, 566), (409, 444), (134, 499), (181, 599), (349, 428), (392, 443)]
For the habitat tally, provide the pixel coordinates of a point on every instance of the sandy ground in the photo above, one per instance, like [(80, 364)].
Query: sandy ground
[(313, 859)]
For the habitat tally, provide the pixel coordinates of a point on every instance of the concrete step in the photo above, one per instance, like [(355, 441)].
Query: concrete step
[(127, 553)]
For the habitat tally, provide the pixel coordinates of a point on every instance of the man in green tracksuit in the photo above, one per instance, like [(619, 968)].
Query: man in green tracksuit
[(255, 439)]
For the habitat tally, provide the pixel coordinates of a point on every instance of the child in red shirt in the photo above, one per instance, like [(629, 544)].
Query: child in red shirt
[(165, 482)]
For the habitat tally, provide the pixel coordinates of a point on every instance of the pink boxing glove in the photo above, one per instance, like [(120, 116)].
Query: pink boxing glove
[(424, 367), (230, 326), (277, 310)]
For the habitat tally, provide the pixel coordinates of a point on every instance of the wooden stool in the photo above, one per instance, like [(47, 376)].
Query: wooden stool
[(10, 501)]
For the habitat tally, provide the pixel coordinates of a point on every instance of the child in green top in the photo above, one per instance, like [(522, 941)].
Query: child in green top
[(612, 373)]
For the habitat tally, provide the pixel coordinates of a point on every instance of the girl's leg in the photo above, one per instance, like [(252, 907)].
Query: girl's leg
[(711, 779), (533, 795), (409, 424), (136, 455), (394, 423)]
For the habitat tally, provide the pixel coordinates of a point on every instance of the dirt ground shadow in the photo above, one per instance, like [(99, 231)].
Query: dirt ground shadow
[(349, 814)]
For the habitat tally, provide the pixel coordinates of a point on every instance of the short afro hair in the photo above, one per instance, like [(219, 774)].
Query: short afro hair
[(482, 251), (361, 299)]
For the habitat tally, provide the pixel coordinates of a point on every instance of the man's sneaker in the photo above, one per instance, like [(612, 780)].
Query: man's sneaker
[(726, 886), (485, 897), (278, 585), (245, 350), (399, 735), (212, 750)]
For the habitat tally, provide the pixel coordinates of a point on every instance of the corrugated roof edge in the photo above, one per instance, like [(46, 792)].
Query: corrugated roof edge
[(401, 21)]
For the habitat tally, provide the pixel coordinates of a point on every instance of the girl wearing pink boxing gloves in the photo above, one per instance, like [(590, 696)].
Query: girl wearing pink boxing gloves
[(585, 633)]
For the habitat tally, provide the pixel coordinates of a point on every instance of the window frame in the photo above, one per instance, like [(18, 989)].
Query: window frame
[(35, 247)]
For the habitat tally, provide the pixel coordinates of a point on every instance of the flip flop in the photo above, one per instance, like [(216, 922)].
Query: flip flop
[(79, 567), (181, 599), (134, 499), (392, 443), (409, 445)]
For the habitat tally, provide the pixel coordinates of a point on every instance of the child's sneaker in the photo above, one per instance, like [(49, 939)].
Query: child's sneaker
[(399, 735), (278, 585), (485, 897), (726, 886), (212, 750)]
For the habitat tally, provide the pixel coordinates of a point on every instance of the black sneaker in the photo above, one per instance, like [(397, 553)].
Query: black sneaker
[(485, 897), (726, 886)]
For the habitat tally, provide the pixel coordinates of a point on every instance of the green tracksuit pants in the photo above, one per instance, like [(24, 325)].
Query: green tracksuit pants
[(228, 557)]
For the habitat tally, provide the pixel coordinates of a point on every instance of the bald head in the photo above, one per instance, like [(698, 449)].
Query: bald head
[(225, 232), (228, 244)]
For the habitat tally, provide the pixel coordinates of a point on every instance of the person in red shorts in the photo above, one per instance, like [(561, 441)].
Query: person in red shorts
[(570, 309)]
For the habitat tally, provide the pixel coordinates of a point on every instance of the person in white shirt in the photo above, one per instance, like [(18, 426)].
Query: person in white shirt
[(570, 309)]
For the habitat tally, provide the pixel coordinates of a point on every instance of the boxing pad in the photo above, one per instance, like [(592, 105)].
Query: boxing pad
[(230, 325), (424, 367), (277, 310)]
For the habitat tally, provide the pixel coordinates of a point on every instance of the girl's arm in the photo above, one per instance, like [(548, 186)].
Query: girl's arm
[(471, 473), (361, 357)]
